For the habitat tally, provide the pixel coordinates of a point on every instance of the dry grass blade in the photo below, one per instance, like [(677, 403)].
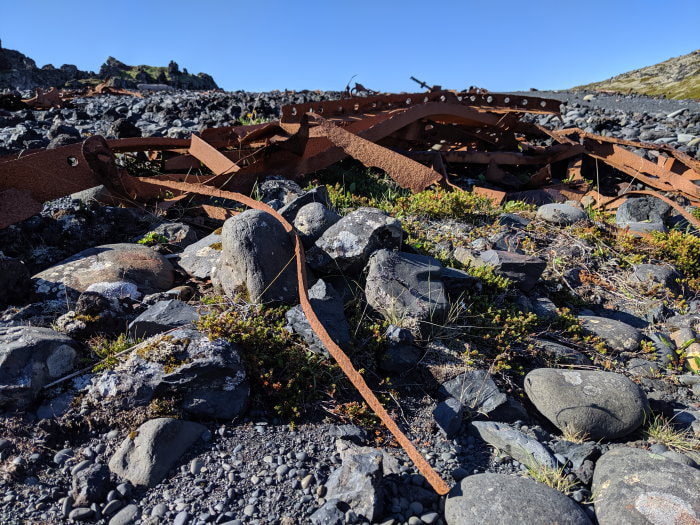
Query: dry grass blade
[(553, 477), (661, 430)]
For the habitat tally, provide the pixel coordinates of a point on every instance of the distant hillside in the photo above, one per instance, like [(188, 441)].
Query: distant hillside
[(170, 75), (18, 71), (675, 78)]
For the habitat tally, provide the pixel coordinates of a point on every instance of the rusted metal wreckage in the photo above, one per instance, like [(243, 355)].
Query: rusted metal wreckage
[(420, 139)]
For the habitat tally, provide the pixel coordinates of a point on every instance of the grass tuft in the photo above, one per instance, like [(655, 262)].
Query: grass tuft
[(553, 477), (661, 430)]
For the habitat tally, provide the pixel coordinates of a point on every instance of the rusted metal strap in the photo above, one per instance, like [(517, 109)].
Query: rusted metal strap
[(28, 181), (341, 358), (406, 172), (639, 168), (493, 102)]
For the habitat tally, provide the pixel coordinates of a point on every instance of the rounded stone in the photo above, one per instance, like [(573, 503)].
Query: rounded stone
[(617, 335), (257, 257), (603, 405), (486, 499), (635, 487), (134, 263), (562, 214)]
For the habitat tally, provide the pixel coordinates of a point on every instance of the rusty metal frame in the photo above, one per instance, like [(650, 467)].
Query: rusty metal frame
[(312, 136)]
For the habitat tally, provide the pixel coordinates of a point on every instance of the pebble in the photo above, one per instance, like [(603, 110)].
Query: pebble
[(159, 510), (306, 481), (196, 466), (182, 518), (81, 514), (62, 456), (429, 517), (80, 466), (112, 507)]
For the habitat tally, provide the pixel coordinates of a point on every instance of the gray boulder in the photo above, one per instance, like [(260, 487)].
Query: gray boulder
[(200, 258), (31, 357), (523, 270), (557, 353), (257, 259), (637, 487), (328, 307), (407, 290), (402, 354), (134, 263), (513, 442), (318, 195), (161, 317), (475, 390), (277, 191), (642, 209), (359, 482), (499, 499), (90, 485), (655, 275), (448, 416), (329, 513), (145, 457), (206, 377), (15, 283), (603, 405), (312, 220), (617, 335), (560, 213), (126, 516), (347, 245), (645, 227)]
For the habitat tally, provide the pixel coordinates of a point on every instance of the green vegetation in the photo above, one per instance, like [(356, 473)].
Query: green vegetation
[(284, 372), (105, 349), (372, 189), (661, 430), (251, 118), (557, 478), (677, 78), (153, 238)]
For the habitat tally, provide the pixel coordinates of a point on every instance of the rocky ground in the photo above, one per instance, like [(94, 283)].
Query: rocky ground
[(538, 360)]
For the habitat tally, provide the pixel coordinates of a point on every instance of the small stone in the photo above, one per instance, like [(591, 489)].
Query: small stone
[(62, 456), (112, 507), (196, 466), (126, 516), (81, 514), (306, 481)]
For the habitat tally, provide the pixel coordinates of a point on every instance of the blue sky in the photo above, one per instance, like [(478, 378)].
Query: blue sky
[(265, 45)]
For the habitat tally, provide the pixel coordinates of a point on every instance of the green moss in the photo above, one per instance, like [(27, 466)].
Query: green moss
[(152, 238), (106, 349), (216, 246), (284, 372)]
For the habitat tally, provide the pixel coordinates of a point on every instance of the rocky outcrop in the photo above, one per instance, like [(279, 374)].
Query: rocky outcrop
[(18, 71)]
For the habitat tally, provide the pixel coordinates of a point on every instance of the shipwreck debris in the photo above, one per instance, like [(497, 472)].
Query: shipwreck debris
[(419, 140)]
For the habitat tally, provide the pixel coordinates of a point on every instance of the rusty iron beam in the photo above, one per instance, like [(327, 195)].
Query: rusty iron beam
[(406, 172), (493, 102), (28, 181)]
